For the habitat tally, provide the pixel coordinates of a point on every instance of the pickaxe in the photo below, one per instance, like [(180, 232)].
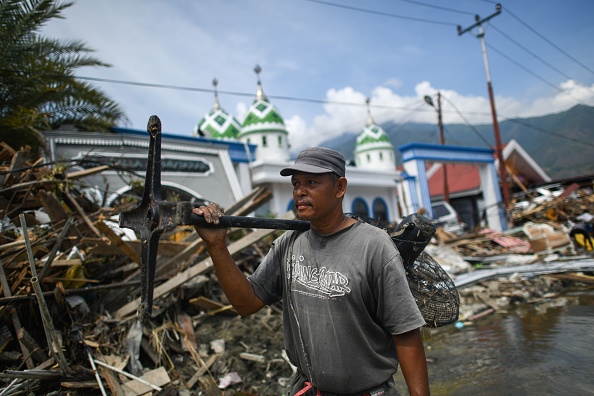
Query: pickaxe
[(153, 216)]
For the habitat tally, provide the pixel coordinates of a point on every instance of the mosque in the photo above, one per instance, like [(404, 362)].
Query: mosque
[(372, 182), (224, 160)]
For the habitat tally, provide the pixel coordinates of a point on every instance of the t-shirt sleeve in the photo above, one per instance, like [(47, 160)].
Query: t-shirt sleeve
[(397, 308), (267, 280)]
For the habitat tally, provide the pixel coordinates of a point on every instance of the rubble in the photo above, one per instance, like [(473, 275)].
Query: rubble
[(70, 289)]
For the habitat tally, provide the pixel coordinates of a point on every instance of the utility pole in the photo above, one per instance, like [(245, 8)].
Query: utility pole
[(446, 191), (498, 148)]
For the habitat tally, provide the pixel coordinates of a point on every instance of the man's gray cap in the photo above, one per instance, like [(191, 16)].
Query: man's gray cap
[(317, 160)]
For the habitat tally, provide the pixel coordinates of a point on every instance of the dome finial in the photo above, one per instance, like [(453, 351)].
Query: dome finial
[(369, 117), (217, 105), (260, 93)]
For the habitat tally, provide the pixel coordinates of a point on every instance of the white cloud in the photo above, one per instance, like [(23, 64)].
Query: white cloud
[(386, 105), (304, 54), (572, 93)]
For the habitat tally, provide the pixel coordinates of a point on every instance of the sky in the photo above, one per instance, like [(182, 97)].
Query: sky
[(321, 59)]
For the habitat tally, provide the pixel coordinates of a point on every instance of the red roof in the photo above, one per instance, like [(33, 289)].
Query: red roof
[(461, 177)]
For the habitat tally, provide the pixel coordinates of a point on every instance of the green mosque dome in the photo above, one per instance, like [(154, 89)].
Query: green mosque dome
[(373, 149), (262, 115), (372, 135), (218, 123)]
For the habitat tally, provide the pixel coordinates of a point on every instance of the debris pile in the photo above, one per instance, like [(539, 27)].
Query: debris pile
[(70, 289), (553, 222)]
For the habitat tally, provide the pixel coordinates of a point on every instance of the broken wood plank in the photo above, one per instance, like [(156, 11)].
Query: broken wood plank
[(118, 242), (184, 321), (99, 247), (209, 386), (197, 269), (82, 213), (112, 382), (208, 304), (134, 378), (201, 371), (16, 323), (575, 277), (80, 384), (87, 172), (157, 377)]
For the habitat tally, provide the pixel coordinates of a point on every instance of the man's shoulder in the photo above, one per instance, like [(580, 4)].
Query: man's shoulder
[(365, 227), (286, 238)]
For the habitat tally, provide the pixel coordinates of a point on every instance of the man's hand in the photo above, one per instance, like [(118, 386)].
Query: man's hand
[(237, 288), (211, 235)]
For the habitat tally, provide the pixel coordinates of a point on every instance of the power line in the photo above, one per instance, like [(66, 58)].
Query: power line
[(530, 52), (468, 123), (538, 57), (548, 41), (235, 93), (385, 14), (437, 7), (515, 120), (533, 73), (210, 90), (559, 135)]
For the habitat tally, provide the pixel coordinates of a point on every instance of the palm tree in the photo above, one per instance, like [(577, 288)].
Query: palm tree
[(38, 88)]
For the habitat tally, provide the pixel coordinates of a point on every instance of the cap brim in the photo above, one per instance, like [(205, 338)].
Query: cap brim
[(303, 168)]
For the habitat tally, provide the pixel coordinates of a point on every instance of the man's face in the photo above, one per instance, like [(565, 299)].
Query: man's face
[(316, 195)]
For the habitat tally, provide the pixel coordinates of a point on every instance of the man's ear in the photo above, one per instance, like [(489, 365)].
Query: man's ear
[(341, 186)]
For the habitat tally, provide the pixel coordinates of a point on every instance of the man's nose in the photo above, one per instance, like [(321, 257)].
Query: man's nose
[(299, 191)]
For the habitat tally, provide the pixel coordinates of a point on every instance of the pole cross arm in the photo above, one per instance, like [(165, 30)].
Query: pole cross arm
[(153, 216)]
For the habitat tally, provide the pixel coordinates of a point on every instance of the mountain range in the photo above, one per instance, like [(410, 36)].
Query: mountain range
[(562, 143)]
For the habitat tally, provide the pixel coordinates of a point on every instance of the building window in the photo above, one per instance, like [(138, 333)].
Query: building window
[(360, 208), (264, 142), (381, 156), (280, 141), (380, 210), (368, 158)]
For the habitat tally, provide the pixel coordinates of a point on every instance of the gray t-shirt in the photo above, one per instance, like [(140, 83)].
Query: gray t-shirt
[(344, 296)]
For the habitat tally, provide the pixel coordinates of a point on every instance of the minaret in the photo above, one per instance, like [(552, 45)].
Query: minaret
[(265, 127), (373, 149), (217, 124)]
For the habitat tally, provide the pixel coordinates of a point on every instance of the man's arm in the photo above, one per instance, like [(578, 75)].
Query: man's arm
[(234, 283), (411, 356)]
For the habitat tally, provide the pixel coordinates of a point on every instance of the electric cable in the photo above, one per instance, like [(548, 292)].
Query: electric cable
[(538, 57), (210, 90), (437, 7), (381, 13), (476, 131), (559, 135), (534, 74), (548, 41)]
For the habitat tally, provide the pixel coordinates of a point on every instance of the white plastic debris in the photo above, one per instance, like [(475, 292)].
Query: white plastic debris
[(229, 379), (218, 346)]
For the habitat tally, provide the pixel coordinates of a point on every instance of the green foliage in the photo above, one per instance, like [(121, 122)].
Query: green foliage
[(38, 90)]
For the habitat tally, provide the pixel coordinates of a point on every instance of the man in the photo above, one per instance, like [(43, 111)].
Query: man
[(349, 316)]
